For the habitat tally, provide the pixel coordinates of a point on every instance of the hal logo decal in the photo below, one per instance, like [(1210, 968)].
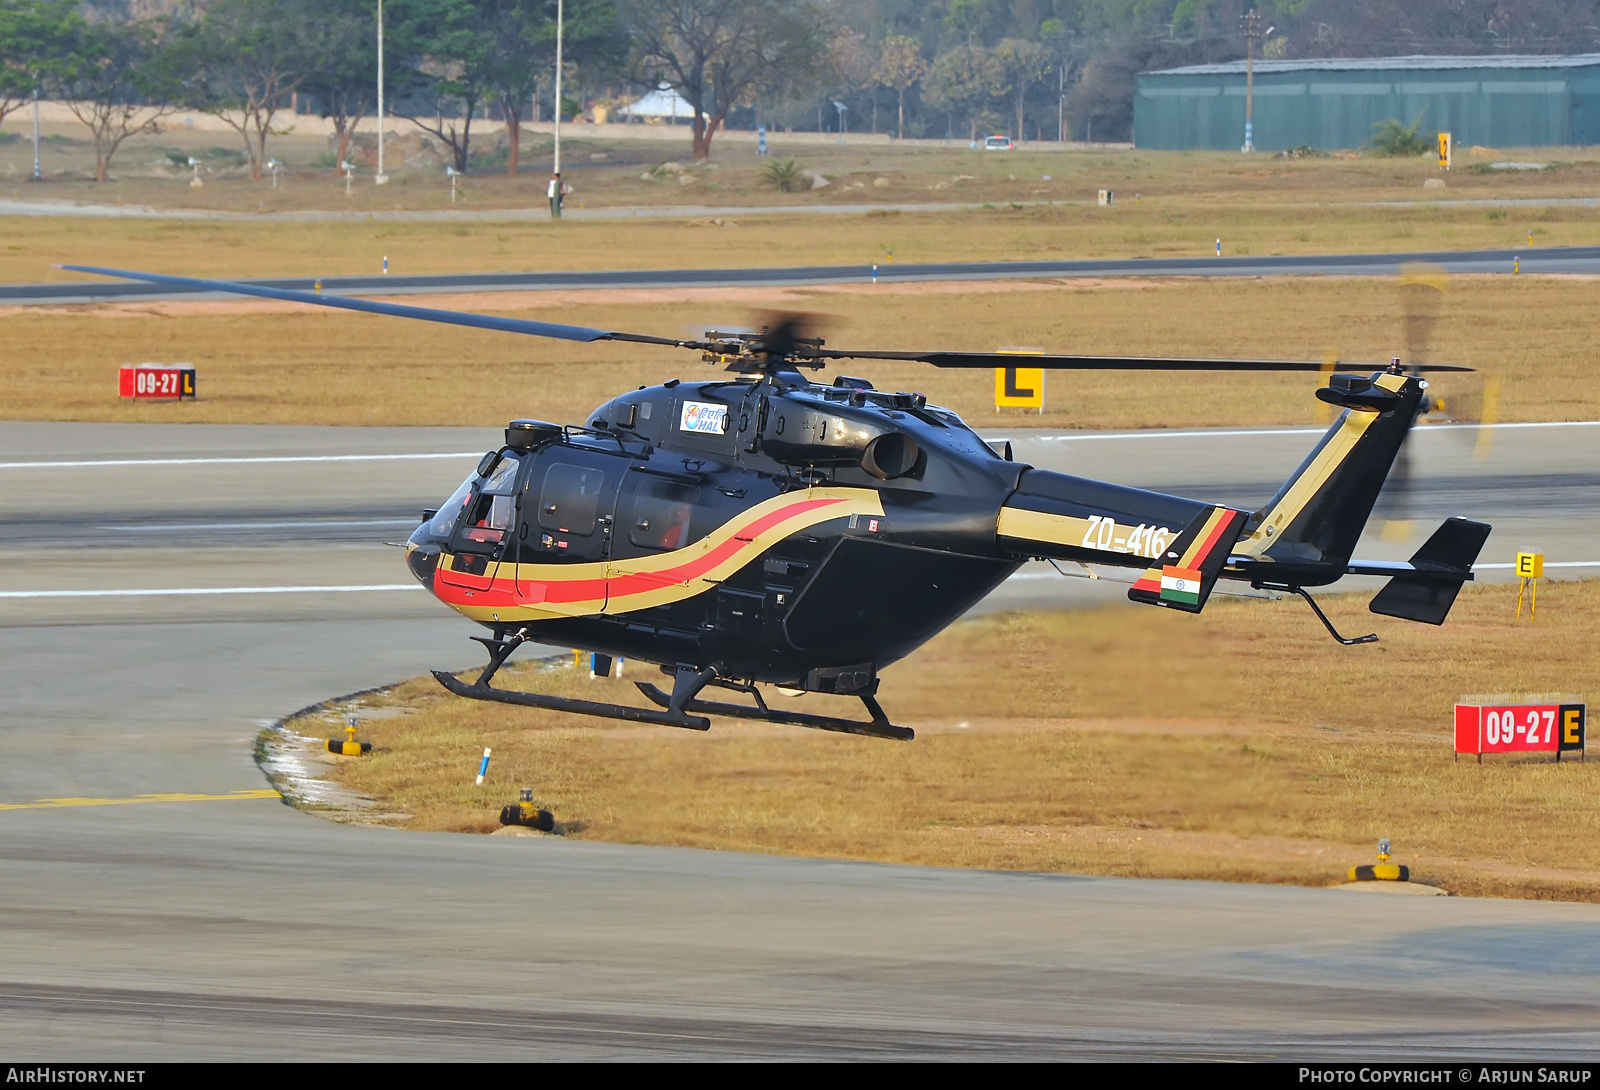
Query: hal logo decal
[(704, 417)]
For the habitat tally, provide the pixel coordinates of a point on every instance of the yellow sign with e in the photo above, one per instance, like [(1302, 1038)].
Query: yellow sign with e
[(1530, 569)]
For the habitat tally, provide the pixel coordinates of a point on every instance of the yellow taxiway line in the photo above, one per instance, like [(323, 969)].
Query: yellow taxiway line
[(171, 796)]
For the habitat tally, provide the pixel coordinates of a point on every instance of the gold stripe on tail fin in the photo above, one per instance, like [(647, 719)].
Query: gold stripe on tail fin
[(1183, 575)]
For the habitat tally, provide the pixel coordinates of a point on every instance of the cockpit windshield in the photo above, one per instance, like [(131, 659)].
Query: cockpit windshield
[(445, 520), (492, 502)]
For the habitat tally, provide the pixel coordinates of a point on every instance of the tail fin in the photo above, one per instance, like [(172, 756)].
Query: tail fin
[(1428, 595), (1183, 575), (1317, 517)]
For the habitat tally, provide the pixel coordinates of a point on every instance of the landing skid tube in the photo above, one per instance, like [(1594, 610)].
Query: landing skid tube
[(500, 650), (880, 727)]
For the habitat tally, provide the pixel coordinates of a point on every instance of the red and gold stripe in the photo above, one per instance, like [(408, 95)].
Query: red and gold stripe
[(1194, 557), (535, 592)]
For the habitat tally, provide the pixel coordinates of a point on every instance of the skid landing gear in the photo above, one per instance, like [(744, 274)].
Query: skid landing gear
[(682, 709), (880, 727), (500, 650)]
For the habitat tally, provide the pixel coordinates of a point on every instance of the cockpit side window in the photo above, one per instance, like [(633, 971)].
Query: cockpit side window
[(570, 499)]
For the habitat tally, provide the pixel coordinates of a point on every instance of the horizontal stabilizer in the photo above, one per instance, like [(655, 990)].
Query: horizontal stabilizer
[(1442, 564), (1183, 575)]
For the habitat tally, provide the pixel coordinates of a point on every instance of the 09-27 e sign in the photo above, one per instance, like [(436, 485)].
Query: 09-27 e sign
[(1519, 728), (158, 381)]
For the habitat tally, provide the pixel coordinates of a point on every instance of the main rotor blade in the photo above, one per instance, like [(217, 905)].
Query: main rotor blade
[(1113, 363), (397, 310)]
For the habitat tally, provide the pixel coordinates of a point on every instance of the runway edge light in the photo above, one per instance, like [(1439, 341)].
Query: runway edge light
[(348, 746), (524, 813), (1382, 870)]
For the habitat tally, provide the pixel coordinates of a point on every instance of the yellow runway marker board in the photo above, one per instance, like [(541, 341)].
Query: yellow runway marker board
[(1019, 387)]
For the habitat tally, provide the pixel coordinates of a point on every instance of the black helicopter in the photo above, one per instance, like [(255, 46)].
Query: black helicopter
[(763, 528)]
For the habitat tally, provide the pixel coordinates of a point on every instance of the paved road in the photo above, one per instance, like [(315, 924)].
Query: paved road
[(1564, 260), (242, 928)]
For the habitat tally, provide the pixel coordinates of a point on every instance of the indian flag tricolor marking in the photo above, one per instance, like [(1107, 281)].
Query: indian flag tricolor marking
[(1180, 585), (1192, 559)]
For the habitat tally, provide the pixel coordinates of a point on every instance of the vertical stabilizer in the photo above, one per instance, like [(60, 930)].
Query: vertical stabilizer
[(1317, 517)]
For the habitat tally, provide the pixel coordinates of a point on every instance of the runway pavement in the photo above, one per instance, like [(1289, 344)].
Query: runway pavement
[(1569, 260), (237, 927)]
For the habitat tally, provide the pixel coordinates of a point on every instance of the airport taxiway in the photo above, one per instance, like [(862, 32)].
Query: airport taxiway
[(240, 928), (1556, 260)]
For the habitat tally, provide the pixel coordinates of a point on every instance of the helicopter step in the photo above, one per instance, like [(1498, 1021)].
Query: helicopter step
[(880, 727)]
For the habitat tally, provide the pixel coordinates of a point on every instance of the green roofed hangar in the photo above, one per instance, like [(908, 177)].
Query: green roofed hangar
[(1332, 103)]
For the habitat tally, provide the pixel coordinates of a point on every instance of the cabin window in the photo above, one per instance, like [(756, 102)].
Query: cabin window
[(570, 499), (662, 510)]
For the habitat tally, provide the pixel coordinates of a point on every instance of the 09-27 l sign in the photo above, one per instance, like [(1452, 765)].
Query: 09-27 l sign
[(1519, 728), (156, 381)]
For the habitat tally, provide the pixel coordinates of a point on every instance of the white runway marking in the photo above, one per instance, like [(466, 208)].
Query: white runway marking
[(193, 591), (303, 524), (1475, 567), (1152, 433), (273, 460)]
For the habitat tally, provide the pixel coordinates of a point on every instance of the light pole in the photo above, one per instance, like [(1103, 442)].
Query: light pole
[(36, 134), (555, 180), (1061, 103), (381, 177), (1252, 34)]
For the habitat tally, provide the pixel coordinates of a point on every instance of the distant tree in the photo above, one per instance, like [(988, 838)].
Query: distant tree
[(1022, 65), (35, 35), (245, 58), (523, 33), (900, 67), (519, 32), (965, 82), (344, 79), (1100, 104), (850, 66), (118, 79), (720, 54), (451, 43)]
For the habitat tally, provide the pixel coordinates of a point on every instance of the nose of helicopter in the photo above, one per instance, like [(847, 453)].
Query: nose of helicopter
[(422, 560)]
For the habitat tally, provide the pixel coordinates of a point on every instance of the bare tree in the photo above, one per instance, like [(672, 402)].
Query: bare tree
[(900, 66), (344, 82), (721, 53), (965, 82), (247, 57), (1022, 64), (116, 79)]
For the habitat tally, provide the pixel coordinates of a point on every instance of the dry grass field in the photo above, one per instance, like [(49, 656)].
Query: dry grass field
[(262, 362), (1313, 213), (1241, 745), (607, 170)]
